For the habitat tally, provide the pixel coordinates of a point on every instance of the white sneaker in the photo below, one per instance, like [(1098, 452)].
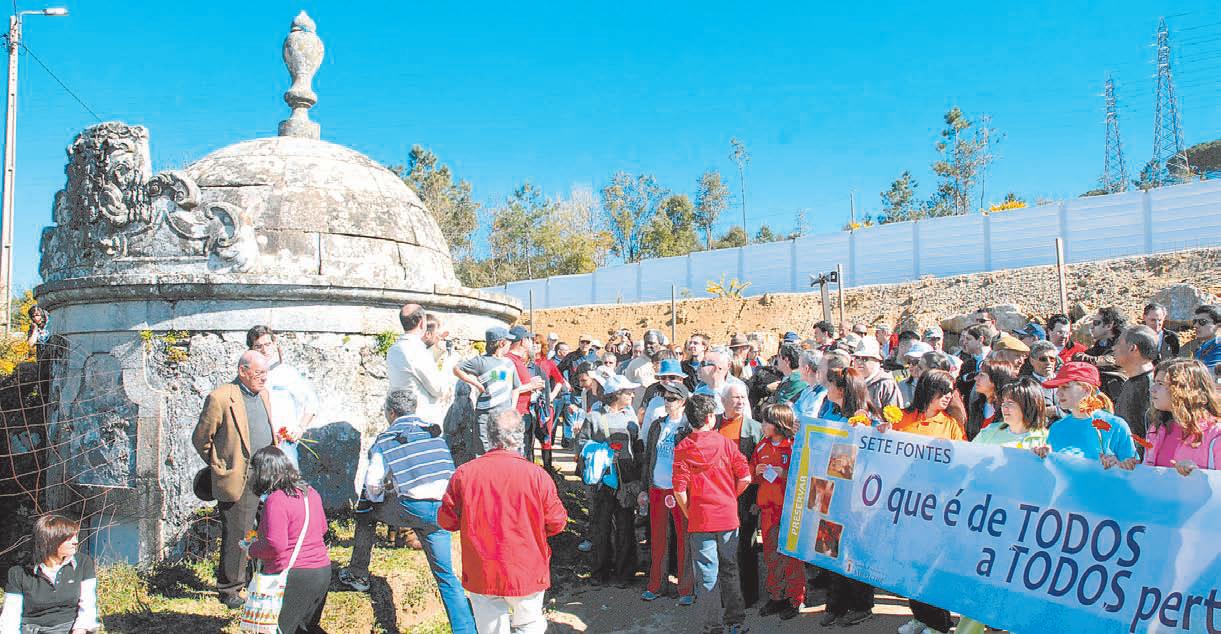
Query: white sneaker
[(929, 630), (586, 546), (912, 627)]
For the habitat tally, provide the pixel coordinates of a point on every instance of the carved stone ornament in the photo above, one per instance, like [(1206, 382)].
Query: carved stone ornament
[(112, 209), (302, 55)]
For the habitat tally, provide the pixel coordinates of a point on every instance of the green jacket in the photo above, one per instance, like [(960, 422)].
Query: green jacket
[(789, 389)]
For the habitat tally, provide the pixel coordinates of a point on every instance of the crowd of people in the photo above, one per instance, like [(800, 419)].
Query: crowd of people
[(693, 441)]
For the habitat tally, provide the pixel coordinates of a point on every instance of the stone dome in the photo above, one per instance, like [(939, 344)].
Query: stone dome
[(323, 209)]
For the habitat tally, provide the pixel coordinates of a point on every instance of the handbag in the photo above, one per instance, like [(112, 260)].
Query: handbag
[(265, 594)]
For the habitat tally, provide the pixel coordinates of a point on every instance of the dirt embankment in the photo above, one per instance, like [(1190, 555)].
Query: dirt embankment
[(1127, 283)]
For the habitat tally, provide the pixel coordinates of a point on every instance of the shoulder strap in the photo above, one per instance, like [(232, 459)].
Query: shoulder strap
[(300, 538), (1212, 452)]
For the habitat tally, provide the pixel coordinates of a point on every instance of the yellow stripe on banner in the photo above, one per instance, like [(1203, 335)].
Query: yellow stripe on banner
[(799, 495), (829, 431)]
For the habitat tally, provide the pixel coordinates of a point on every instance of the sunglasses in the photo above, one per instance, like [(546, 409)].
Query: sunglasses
[(672, 399), (1203, 321)]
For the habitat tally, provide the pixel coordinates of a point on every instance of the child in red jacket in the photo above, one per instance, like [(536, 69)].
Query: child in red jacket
[(786, 579)]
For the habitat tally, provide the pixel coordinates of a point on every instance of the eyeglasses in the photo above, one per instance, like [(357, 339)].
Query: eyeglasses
[(1048, 359), (672, 399), (1202, 321), (981, 320), (585, 341)]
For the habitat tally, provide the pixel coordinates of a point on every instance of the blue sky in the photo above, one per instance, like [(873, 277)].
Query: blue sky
[(828, 100)]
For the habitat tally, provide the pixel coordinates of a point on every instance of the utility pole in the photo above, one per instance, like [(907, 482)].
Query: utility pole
[(10, 159), (1169, 154), (1114, 171), (852, 208), (742, 158)]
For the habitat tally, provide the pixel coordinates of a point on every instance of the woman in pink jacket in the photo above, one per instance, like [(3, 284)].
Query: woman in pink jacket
[(1185, 424), (281, 525)]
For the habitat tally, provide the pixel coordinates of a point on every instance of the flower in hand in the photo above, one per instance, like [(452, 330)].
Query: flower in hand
[(892, 414), (1102, 425), (1142, 442)]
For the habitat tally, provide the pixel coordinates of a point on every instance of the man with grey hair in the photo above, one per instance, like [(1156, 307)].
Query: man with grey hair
[(1135, 351), (810, 401), (234, 424), (1043, 362), (715, 378), (409, 469), (736, 424), (501, 503)]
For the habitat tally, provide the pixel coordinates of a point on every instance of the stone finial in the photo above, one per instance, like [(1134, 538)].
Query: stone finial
[(303, 55)]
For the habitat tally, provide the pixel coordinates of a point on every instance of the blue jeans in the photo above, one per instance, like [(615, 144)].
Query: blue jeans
[(437, 548), (421, 516), (714, 558)]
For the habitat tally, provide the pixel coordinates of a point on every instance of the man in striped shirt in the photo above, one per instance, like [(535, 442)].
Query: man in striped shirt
[(409, 469)]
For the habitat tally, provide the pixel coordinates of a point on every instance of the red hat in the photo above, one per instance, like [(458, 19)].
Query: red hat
[(1075, 371)]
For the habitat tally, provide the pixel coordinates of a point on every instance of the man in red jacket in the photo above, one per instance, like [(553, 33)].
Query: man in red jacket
[(505, 508), (709, 475)]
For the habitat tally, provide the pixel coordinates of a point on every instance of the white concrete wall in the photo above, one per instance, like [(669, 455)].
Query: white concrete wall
[(1094, 228)]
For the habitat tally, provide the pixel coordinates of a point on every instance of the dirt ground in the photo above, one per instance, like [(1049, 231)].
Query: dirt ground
[(1127, 283), (576, 605)]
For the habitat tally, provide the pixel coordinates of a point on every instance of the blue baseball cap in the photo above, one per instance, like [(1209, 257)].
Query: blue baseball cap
[(494, 334), (791, 337), (1032, 330), (517, 333)]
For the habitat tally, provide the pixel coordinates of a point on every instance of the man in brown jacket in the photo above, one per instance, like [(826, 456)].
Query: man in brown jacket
[(235, 423)]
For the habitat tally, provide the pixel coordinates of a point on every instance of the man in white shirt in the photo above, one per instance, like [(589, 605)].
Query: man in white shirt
[(294, 403), (411, 366)]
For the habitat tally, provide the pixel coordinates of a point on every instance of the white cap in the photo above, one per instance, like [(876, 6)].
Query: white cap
[(918, 349), (551, 336), (869, 348), (618, 382)]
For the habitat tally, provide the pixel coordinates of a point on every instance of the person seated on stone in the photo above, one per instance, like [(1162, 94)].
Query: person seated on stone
[(290, 537), (56, 592), (409, 469), (1105, 327), (38, 332)]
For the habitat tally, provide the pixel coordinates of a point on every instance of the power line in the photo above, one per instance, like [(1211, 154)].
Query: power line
[(60, 82)]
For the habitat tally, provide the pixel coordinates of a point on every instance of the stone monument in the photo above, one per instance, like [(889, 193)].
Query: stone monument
[(153, 280)]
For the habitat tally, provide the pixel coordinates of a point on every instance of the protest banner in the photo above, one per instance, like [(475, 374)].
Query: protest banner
[(998, 534)]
